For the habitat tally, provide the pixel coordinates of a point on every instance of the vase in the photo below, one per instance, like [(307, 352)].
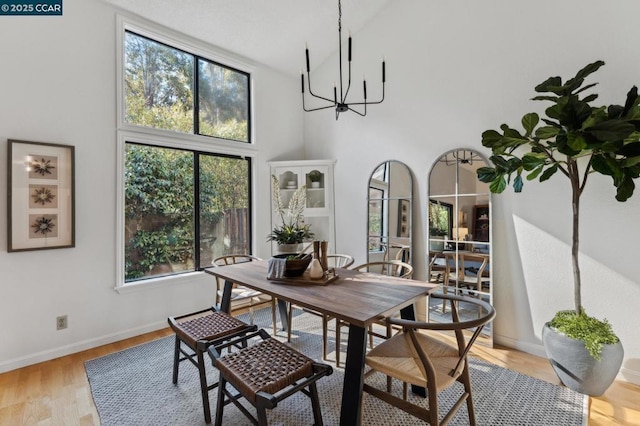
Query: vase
[(288, 248), (575, 366), (315, 270), (315, 184)]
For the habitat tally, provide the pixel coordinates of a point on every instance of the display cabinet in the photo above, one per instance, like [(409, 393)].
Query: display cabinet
[(317, 175)]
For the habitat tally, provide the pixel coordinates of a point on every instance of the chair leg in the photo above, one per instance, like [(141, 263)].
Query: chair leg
[(370, 336), (273, 315), (338, 340), (290, 322), (176, 360), (315, 404), (466, 381), (204, 388), (325, 338), (222, 384)]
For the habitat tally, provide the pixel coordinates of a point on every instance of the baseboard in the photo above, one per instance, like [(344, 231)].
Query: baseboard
[(629, 375), (53, 353), (624, 375), (530, 348)]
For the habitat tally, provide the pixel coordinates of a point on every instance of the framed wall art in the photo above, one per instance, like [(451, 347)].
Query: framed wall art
[(403, 218), (41, 196)]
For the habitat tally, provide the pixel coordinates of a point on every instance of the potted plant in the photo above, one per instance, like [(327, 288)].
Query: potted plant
[(293, 231), (577, 140), (315, 177)]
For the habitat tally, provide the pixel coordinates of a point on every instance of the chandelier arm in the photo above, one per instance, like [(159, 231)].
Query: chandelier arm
[(370, 102), (358, 112), (317, 96), (314, 109)]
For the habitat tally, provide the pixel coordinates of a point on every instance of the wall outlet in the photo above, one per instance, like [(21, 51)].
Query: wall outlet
[(62, 322)]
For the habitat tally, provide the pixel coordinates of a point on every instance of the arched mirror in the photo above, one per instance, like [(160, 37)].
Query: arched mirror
[(459, 239), (390, 210)]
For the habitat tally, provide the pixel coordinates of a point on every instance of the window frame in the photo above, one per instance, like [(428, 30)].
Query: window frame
[(126, 132)]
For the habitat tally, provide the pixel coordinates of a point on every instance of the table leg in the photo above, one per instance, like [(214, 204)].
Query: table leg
[(225, 303), (284, 314), (350, 412), (410, 314)]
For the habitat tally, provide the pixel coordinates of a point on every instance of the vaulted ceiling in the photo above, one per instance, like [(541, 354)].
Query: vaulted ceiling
[(272, 32)]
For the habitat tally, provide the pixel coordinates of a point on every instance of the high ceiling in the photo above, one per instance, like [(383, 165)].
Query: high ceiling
[(272, 32)]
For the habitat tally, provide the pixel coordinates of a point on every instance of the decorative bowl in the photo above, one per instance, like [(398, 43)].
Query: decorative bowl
[(294, 267)]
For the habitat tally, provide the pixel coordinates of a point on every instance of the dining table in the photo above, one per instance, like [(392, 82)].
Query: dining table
[(358, 298)]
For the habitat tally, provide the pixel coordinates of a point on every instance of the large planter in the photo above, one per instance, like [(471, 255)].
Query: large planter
[(288, 248), (575, 366)]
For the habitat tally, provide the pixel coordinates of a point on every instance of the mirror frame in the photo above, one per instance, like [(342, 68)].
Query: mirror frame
[(403, 218), (470, 222)]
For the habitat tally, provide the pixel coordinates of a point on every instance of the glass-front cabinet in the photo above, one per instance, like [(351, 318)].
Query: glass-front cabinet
[(317, 176)]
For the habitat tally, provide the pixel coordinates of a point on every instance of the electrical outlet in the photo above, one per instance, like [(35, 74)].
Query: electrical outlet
[(61, 322)]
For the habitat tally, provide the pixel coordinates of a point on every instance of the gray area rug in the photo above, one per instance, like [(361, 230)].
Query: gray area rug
[(133, 387)]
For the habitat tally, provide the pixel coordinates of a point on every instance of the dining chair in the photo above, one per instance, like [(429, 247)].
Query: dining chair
[(241, 295), (264, 374), (339, 260), (468, 272), (335, 260), (417, 356), (393, 268), (195, 333)]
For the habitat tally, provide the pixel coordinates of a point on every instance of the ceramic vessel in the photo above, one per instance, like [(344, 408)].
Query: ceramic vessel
[(575, 366)]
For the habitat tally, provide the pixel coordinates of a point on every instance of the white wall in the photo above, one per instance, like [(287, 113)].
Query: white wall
[(59, 86), (455, 69)]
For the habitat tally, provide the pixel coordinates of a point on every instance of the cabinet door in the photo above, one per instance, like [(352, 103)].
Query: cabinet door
[(316, 179)]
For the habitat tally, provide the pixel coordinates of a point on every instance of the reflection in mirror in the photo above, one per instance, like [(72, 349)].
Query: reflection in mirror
[(390, 210), (459, 240)]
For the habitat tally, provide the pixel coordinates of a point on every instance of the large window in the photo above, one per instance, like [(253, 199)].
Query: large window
[(186, 199), (167, 88), (172, 195)]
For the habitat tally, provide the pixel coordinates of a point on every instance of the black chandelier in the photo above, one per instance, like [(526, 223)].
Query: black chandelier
[(340, 104)]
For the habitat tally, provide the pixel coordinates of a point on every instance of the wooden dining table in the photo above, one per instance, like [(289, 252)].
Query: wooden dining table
[(358, 298)]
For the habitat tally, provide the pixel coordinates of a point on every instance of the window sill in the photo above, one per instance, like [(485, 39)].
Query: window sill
[(152, 283)]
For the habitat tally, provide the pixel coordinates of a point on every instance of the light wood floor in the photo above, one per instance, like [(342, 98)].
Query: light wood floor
[(57, 392)]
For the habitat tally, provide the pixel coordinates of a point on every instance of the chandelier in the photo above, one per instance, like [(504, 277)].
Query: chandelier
[(340, 103)]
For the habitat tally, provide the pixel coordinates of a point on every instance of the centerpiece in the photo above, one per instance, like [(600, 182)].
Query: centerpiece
[(293, 231)]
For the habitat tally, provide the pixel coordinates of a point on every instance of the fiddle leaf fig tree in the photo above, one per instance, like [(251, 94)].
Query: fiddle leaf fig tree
[(576, 139)]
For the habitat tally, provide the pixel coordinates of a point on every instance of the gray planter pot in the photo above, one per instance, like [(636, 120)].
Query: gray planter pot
[(288, 248), (575, 366)]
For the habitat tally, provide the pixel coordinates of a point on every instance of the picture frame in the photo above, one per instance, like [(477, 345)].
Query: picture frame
[(403, 218), (40, 196)]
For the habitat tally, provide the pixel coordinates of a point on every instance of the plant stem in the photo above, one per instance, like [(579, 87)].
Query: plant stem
[(576, 191)]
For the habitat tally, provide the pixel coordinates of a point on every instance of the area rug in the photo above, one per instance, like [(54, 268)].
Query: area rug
[(133, 387)]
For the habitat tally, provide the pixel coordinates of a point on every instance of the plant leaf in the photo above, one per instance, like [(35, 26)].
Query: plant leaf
[(531, 161), (549, 172), (498, 185), (547, 132), (529, 122), (517, 183)]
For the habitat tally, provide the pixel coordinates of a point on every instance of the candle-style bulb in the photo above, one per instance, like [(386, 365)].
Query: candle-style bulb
[(335, 93), (383, 72), (349, 57), (302, 81), (306, 53)]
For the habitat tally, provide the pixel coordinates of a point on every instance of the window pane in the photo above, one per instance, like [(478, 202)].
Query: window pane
[(159, 211), (224, 207), (223, 102), (158, 85)]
